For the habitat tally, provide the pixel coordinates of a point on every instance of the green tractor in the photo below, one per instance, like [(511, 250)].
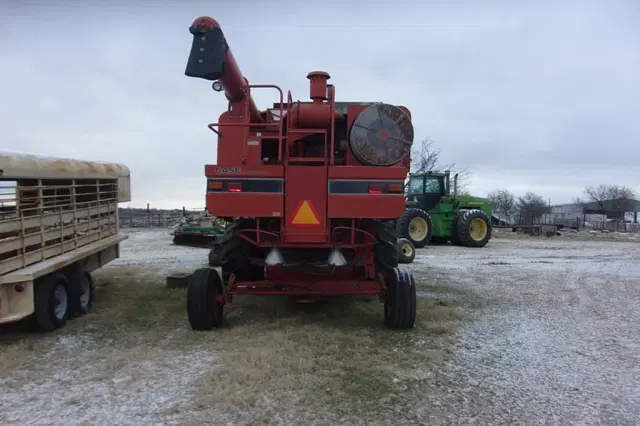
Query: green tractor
[(436, 215)]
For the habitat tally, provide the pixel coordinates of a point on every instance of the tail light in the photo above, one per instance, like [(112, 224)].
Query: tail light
[(375, 189), (235, 187)]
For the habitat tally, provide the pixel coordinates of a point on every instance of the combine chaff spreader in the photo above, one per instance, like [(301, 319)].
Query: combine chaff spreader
[(310, 190)]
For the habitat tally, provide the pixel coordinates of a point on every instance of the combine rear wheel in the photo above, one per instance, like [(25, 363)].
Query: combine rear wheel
[(416, 226), (400, 303), (473, 228), (203, 307), (406, 251)]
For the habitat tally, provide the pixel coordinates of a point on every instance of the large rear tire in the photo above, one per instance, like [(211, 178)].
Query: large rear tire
[(204, 310), (473, 228), (400, 302), (416, 226)]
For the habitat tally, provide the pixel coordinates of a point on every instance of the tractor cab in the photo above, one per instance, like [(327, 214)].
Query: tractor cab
[(425, 190)]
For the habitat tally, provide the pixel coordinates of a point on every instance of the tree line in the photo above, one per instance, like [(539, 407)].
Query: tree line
[(532, 206)]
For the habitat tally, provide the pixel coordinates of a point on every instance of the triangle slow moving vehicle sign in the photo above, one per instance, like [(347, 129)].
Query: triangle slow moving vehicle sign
[(305, 215)]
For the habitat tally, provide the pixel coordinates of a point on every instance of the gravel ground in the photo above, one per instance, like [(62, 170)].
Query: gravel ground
[(554, 335), (549, 335)]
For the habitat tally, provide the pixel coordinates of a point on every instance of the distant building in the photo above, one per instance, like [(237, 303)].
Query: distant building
[(613, 212)]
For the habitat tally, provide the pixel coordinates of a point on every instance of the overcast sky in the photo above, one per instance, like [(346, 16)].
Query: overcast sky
[(541, 97)]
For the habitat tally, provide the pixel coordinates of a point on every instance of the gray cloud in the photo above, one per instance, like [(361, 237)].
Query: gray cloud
[(540, 97)]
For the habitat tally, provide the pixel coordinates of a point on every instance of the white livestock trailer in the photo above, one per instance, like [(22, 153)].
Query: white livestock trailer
[(58, 223)]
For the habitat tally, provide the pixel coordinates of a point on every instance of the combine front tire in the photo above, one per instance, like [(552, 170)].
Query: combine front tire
[(386, 250), (235, 256), (203, 307), (406, 251), (416, 226), (400, 303), (473, 228), (215, 255)]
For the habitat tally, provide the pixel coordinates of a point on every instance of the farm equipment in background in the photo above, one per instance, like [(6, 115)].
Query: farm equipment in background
[(309, 189), (436, 215), (198, 231)]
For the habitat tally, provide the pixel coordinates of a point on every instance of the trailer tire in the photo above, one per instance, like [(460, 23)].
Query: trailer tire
[(80, 292), (406, 251), (400, 301), (51, 300), (203, 309), (473, 228), (416, 226), (386, 250)]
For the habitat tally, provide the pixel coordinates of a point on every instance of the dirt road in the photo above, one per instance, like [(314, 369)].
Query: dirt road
[(525, 331)]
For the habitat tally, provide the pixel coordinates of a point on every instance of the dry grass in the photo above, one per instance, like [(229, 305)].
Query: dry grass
[(272, 356)]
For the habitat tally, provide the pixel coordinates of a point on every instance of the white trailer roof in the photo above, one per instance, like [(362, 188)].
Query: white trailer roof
[(17, 165)]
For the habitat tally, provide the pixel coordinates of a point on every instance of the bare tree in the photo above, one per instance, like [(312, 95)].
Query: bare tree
[(617, 196), (530, 207), (425, 157), (504, 202)]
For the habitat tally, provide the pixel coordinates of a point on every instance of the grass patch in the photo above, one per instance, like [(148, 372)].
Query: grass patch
[(273, 356)]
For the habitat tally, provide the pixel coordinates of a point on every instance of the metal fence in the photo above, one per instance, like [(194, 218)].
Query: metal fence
[(154, 218)]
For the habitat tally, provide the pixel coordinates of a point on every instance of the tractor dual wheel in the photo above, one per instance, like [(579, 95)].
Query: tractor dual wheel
[(473, 228), (416, 226), (406, 251), (400, 301), (204, 310)]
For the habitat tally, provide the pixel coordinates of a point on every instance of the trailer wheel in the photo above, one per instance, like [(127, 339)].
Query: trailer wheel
[(203, 309), (51, 301), (400, 303), (386, 250), (80, 292), (474, 228), (416, 226), (406, 251)]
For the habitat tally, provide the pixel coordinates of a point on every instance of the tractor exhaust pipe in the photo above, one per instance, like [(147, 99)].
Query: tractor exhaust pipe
[(211, 59), (447, 181), (455, 185)]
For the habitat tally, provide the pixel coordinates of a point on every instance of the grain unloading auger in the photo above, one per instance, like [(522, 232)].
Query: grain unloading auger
[(309, 190)]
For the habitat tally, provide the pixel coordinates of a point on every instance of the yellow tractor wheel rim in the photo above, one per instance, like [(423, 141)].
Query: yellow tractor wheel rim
[(418, 229), (478, 229), (407, 250)]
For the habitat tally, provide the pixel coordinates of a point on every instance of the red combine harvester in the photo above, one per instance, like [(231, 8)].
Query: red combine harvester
[(309, 189)]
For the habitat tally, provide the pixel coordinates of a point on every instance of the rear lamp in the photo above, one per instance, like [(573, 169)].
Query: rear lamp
[(235, 186)]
